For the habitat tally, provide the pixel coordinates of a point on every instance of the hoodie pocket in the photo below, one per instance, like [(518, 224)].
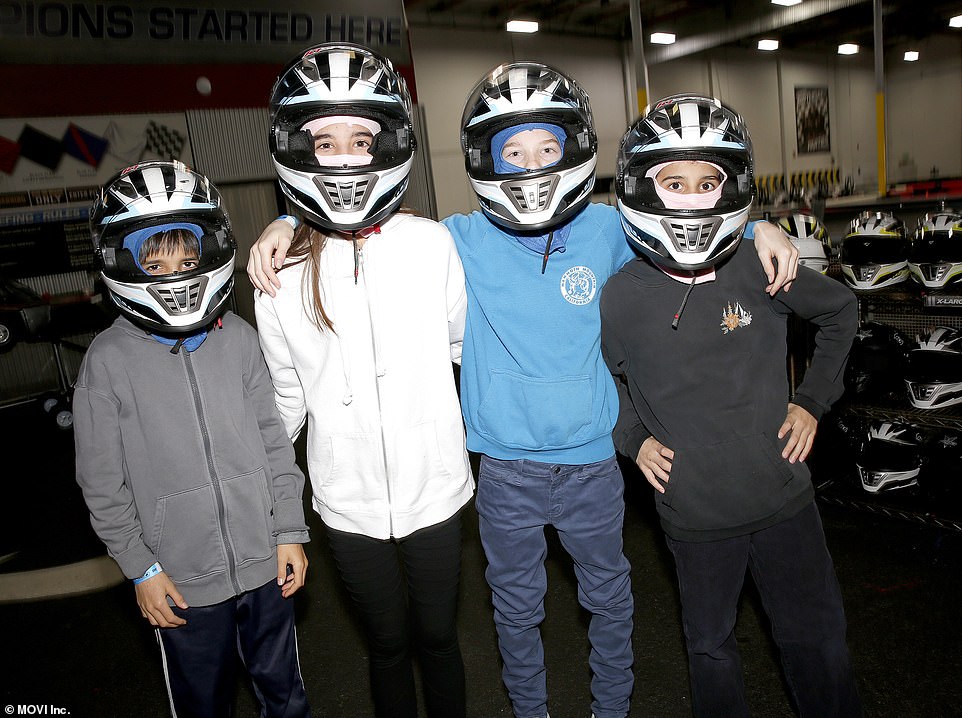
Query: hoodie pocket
[(347, 470), (531, 413), (247, 509), (186, 537), (726, 485)]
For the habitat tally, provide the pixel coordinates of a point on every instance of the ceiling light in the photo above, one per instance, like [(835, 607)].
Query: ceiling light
[(910, 56), (848, 48), (768, 44), (662, 38), (786, 2), (955, 21), (521, 26)]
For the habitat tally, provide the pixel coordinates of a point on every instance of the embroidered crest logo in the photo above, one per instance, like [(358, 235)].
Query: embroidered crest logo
[(578, 285), (734, 316)]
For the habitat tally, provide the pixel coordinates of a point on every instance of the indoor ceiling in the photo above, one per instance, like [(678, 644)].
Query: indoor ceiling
[(812, 26)]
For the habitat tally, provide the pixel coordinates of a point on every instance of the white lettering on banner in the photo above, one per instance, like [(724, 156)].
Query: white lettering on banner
[(111, 21)]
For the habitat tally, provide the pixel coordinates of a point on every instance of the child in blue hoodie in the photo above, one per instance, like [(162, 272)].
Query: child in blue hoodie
[(538, 401)]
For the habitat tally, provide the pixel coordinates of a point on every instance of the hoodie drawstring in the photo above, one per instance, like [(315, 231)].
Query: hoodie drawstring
[(356, 263), (684, 301), (547, 251)]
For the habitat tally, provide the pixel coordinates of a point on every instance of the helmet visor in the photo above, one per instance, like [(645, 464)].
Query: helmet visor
[(868, 249), (930, 367), (934, 248)]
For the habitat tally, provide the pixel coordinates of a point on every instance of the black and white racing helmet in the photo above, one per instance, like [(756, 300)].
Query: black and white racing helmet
[(891, 458), (342, 80), (875, 251), (876, 363), (146, 199), (516, 94), (935, 257), (934, 373), (811, 238), (685, 128)]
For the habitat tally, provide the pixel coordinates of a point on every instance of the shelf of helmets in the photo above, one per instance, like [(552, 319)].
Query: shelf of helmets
[(928, 498)]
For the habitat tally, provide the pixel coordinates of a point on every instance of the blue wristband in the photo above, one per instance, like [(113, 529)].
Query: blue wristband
[(150, 573), (293, 221)]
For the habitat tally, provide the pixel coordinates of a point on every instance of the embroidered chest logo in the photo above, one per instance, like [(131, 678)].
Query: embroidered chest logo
[(734, 315), (578, 285)]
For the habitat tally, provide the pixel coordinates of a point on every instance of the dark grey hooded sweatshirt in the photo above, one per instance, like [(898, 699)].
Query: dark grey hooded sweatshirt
[(715, 390)]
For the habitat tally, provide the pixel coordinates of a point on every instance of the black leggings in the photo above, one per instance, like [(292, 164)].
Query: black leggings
[(404, 589)]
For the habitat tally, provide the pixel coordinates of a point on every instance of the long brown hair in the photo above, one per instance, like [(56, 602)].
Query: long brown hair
[(307, 245)]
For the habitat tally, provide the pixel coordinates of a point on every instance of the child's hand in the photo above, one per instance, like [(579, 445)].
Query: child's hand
[(802, 426), (152, 598), (268, 254), (772, 244), (654, 459), (290, 555)]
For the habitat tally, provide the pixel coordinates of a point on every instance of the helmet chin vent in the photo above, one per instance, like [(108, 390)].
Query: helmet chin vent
[(692, 235), (532, 195), (348, 194), (182, 297)]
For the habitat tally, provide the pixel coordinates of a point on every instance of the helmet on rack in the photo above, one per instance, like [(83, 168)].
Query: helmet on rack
[(876, 362), (891, 458), (875, 251), (934, 372), (147, 199), (341, 80), (678, 129), (941, 476), (515, 94), (935, 257), (811, 238)]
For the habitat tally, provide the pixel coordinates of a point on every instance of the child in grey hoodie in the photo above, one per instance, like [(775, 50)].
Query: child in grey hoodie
[(183, 460)]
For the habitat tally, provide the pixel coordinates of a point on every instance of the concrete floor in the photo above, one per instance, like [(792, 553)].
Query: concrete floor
[(94, 656)]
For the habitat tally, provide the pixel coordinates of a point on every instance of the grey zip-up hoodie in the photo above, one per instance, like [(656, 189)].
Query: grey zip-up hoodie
[(715, 390), (183, 459)]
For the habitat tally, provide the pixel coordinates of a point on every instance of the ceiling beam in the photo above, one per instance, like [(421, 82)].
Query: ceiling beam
[(756, 26)]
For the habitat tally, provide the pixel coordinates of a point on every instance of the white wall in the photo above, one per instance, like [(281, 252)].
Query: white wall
[(448, 63), (923, 107)]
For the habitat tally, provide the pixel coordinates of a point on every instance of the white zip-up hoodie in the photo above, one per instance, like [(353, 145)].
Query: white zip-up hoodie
[(385, 443)]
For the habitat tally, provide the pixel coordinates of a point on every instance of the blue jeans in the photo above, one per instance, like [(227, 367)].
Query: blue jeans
[(796, 581), (515, 501)]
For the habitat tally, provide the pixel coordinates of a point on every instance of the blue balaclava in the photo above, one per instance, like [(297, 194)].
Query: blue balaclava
[(559, 235), (498, 141), (134, 241)]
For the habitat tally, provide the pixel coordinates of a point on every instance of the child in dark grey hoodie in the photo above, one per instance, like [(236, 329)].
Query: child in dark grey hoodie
[(706, 413), (183, 460)]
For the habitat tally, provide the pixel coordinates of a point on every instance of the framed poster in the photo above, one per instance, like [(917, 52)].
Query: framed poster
[(811, 120)]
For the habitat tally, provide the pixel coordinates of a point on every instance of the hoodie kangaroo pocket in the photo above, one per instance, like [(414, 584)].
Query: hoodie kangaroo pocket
[(531, 413), (729, 484), (247, 511), (186, 537)]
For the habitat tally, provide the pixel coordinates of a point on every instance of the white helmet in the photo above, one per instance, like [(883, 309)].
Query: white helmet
[(333, 80), (685, 128), (811, 238), (146, 199), (935, 258), (891, 459), (520, 93), (934, 373), (875, 251)]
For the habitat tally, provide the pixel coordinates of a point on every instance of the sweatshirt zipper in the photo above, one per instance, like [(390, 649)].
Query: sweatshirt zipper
[(377, 393), (209, 454)]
